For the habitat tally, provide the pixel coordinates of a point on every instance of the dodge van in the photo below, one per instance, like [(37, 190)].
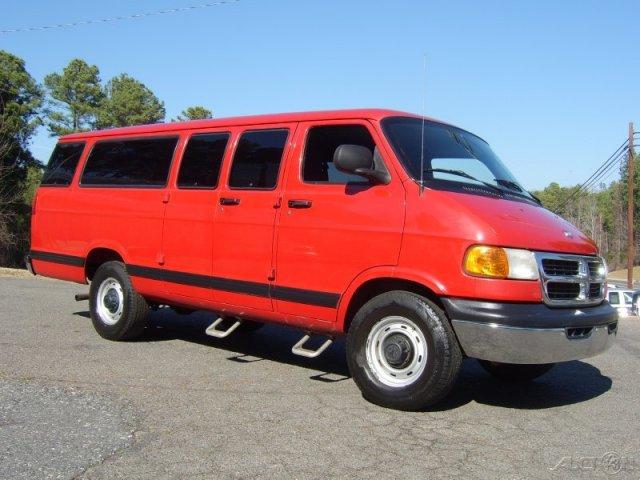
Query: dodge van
[(405, 234)]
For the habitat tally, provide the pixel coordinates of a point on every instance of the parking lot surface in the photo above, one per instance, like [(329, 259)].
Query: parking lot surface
[(179, 404)]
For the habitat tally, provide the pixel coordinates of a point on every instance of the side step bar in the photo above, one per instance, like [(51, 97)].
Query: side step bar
[(298, 348), (214, 332), (80, 297)]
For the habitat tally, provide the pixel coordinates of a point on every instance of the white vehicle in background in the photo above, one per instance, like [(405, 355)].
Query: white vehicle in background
[(622, 301), (636, 303)]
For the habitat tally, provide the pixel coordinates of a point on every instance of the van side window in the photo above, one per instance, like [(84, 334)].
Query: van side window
[(322, 142), (62, 164), (142, 162), (201, 160), (614, 297), (256, 161)]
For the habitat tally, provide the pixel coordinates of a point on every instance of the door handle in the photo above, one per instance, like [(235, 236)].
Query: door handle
[(299, 203), (229, 201)]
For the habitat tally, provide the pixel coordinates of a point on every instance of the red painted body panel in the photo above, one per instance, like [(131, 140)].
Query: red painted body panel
[(320, 256), (188, 234), (347, 229), (244, 241)]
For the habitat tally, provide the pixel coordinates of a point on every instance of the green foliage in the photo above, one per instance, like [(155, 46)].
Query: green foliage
[(554, 196), (600, 214), (624, 186), (196, 112), (20, 101), (129, 102), (76, 95), (31, 184)]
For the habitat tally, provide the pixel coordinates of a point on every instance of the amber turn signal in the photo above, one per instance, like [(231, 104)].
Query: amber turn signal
[(485, 261)]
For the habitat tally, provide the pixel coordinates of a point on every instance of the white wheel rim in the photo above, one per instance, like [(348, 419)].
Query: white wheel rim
[(387, 355), (110, 301)]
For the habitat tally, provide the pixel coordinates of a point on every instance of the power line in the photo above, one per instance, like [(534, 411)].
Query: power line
[(606, 174), (595, 176), (603, 173), (598, 173), (117, 18), (596, 180)]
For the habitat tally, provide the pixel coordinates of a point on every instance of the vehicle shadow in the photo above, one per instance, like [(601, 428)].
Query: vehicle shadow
[(271, 342), (567, 383)]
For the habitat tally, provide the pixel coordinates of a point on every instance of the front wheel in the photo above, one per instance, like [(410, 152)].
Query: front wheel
[(512, 372), (402, 352)]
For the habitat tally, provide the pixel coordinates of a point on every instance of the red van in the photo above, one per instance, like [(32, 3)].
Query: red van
[(406, 234)]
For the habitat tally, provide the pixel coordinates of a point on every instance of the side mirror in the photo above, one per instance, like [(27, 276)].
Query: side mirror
[(358, 160)]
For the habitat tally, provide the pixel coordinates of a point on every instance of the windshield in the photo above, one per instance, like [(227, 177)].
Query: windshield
[(452, 158)]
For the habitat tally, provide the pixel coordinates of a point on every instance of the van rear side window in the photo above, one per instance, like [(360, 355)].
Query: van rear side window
[(143, 162), (256, 162), (202, 159), (62, 164)]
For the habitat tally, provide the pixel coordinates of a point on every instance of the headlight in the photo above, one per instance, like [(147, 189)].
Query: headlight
[(498, 262)]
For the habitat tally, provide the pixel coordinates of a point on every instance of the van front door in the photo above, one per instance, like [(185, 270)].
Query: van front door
[(245, 219), (333, 226)]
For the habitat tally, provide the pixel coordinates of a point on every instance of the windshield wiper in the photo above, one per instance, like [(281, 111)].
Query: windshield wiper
[(510, 184), (513, 186), (464, 174)]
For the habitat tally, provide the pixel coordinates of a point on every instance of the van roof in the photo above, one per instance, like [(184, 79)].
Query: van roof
[(368, 113)]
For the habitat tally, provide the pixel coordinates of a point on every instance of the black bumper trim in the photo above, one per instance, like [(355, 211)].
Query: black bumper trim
[(528, 315)]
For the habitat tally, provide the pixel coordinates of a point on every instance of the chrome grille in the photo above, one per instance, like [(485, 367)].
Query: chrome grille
[(563, 291), (569, 280), (556, 267), (595, 290)]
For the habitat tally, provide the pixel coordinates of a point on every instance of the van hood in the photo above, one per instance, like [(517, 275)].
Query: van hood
[(516, 224)]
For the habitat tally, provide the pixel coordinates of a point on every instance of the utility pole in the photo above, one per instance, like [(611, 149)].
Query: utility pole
[(630, 203)]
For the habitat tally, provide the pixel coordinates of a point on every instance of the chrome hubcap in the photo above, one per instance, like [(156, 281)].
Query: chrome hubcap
[(396, 351), (110, 301)]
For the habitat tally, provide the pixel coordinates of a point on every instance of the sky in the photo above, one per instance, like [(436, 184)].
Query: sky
[(551, 85)]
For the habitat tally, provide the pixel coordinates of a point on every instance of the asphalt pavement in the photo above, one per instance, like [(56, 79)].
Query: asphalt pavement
[(179, 404)]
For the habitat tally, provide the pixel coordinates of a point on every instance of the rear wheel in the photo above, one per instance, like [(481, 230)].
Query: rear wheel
[(402, 352), (118, 312), (512, 372)]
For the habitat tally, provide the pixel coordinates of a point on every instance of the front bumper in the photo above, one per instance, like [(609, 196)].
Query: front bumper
[(531, 333)]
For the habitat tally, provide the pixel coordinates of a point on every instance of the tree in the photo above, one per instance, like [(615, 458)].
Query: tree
[(197, 112), (20, 101), (554, 196), (129, 102), (76, 94)]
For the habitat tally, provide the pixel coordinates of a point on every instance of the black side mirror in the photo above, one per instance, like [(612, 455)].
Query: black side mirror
[(359, 160)]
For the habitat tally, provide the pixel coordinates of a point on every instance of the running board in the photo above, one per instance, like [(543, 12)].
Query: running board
[(214, 332), (80, 297), (298, 348)]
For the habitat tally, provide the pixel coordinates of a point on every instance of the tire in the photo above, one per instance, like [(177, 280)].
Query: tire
[(118, 312), (402, 352), (512, 372)]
